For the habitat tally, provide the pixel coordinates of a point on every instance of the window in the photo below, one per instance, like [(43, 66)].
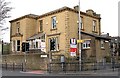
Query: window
[(18, 27), (81, 19), (102, 44), (43, 37), (54, 22), (54, 46), (18, 45), (13, 45), (41, 25), (31, 44), (36, 44), (94, 25), (86, 44)]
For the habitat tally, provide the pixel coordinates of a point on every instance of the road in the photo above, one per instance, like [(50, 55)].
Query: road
[(109, 72)]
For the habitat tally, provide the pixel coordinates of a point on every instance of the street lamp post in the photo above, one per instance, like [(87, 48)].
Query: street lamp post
[(79, 38)]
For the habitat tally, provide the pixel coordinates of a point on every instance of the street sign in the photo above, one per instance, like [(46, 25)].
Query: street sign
[(83, 40), (80, 41), (86, 39), (73, 53), (73, 41), (73, 49), (43, 55), (73, 46)]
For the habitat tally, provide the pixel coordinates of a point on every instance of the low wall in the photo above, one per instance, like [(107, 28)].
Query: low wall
[(33, 61)]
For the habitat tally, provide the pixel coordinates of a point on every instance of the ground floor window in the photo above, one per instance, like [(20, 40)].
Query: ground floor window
[(13, 45), (86, 44), (54, 45), (18, 45)]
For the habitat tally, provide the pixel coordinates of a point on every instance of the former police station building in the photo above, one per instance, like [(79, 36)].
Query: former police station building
[(52, 31)]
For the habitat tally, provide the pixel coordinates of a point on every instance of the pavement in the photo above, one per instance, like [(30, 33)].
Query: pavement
[(108, 72)]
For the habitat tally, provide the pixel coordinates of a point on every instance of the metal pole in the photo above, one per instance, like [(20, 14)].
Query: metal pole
[(50, 60), (79, 38), (25, 59)]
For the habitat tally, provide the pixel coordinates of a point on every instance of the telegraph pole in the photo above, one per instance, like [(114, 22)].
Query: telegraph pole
[(79, 38)]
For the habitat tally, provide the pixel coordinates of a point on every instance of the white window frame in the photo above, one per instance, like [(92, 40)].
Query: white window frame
[(54, 24), (13, 45), (102, 44), (17, 46), (86, 44)]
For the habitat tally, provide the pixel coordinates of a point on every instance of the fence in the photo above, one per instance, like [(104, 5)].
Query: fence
[(12, 66), (74, 67)]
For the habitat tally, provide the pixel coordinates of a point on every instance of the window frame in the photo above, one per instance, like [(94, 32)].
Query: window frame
[(81, 22), (18, 45), (94, 25), (102, 44), (56, 44), (18, 27), (86, 44), (53, 21), (41, 25)]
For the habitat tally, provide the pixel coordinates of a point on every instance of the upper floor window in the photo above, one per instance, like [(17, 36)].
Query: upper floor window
[(86, 44), (41, 25), (54, 45), (18, 27), (81, 19), (94, 25), (102, 44), (53, 22)]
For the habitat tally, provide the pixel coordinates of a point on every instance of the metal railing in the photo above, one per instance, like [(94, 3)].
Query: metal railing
[(12, 66), (74, 67)]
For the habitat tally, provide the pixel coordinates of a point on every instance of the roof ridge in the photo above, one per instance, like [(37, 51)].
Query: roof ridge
[(24, 16)]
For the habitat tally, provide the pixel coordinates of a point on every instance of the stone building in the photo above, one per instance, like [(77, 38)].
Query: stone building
[(55, 29)]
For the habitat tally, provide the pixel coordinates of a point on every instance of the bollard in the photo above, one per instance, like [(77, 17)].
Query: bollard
[(13, 66), (22, 66), (6, 65)]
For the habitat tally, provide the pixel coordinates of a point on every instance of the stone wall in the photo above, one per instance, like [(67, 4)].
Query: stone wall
[(33, 61)]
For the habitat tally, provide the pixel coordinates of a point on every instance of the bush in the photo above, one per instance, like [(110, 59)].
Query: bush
[(108, 59)]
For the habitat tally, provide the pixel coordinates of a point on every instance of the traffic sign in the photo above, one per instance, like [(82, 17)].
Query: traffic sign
[(73, 41), (73, 47)]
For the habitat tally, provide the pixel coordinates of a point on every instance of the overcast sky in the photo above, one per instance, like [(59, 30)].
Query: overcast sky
[(107, 8)]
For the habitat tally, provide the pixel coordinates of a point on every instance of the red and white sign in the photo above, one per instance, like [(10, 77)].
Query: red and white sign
[(73, 53), (73, 41), (73, 47)]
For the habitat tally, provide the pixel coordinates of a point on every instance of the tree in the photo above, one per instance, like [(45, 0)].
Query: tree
[(4, 13)]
